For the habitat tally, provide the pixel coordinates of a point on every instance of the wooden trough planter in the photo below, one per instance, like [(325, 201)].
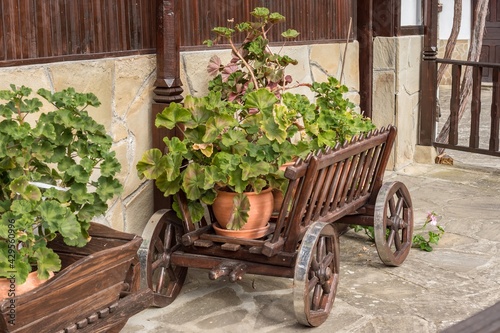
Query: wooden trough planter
[(96, 291)]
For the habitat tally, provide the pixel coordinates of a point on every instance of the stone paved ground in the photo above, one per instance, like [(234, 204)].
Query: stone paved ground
[(429, 292)]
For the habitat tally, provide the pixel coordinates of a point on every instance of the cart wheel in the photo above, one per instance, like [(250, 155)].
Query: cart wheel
[(316, 274), (162, 236), (393, 223)]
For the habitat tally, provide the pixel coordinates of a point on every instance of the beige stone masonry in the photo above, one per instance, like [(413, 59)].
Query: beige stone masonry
[(315, 63), (124, 88), (396, 88)]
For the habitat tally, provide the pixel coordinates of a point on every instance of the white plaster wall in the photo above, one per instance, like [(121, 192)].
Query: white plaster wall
[(445, 19), (124, 87), (411, 12)]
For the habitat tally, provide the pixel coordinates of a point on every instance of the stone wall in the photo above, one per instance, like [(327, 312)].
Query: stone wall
[(460, 52), (396, 87), (315, 63), (124, 87)]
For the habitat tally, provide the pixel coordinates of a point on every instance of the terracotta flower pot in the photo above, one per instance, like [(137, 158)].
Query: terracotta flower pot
[(261, 208), (7, 285)]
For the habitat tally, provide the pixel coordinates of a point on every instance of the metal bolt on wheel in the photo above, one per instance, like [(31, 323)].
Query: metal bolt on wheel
[(316, 274)]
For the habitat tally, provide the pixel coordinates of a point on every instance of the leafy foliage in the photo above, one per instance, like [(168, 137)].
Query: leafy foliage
[(422, 241), (433, 236), (55, 174), (231, 148), (248, 125)]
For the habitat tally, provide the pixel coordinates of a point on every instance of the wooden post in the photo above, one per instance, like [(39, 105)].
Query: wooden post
[(168, 85), (365, 40), (428, 76)]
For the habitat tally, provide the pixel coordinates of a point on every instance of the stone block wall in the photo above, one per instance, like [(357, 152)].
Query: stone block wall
[(396, 87), (124, 87), (460, 52), (315, 63)]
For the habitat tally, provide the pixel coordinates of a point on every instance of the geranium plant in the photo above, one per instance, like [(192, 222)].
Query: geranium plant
[(57, 172), (329, 119), (248, 125)]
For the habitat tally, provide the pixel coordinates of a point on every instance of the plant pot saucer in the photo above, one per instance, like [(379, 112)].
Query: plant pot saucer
[(243, 233)]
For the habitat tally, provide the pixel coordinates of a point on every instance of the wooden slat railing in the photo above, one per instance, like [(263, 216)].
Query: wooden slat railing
[(476, 103)]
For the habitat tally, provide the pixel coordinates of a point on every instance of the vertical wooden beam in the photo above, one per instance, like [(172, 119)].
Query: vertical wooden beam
[(475, 106), (428, 76), (168, 85), (365, 39), (495, 111), (386, 17), (456, 73)]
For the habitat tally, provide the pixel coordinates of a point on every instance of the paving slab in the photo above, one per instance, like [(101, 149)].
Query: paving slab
[(428, 293)]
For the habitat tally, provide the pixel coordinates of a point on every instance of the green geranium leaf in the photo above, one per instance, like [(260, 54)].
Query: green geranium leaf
[(110, 166), (273, 131), (78, 173), (236, 181), (193, 181), (52, 213), (261, 12), (241, 206), (79, 194), (172, 115), (226, 162), (25, 189), (290, 33), (261, 99), (47, 261), (216, 126), (108, 187), (196, 210), (152, 165), (61, 196), (251, 169), (168, 187), (70, 228)]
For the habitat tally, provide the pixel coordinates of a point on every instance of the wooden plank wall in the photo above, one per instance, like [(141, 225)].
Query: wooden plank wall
[(41, 31), (34, 31), (316, 20)]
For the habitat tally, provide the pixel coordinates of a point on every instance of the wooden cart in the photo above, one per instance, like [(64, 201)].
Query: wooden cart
[(326, 192), (96, 291)]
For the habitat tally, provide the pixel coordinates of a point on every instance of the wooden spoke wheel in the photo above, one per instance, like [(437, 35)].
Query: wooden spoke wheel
[(316, 274), (162, 236), (393, 223)]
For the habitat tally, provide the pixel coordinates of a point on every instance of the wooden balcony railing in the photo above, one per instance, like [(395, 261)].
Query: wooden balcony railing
[(480, 124)]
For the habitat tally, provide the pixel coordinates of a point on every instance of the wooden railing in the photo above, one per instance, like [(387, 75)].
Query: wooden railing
[(475, 109)]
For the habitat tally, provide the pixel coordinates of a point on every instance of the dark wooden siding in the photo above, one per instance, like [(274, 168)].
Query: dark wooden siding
[(41, 31), (316, 20), (37, 31)]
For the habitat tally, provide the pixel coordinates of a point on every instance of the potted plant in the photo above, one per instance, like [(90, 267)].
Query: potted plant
[(228, 146), (249, 124), (57, 172)]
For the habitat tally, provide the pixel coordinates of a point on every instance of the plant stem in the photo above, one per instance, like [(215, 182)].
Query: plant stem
[(233, 47)]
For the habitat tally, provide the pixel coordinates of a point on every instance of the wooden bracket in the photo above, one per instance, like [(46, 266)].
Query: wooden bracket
[(234, 270)]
